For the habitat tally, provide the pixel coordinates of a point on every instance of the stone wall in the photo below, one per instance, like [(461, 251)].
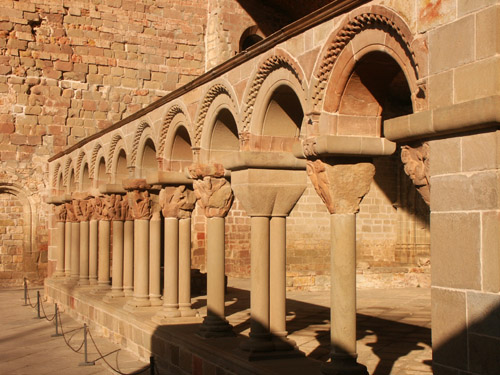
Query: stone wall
[(69, 69)]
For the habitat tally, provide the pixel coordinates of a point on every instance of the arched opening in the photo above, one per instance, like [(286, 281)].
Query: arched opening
[(376, 90), (181, 155), (148, 161), (121, 172), (284, 114), (102, 179), (224, 134), (249, 37), (71, 181), (85, 179), (59, 182), (393, 222)]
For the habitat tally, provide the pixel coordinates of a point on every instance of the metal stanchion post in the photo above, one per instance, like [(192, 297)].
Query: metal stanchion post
[(38, 304), (56, 315), (86, 362), (152, 365), (25, 292)]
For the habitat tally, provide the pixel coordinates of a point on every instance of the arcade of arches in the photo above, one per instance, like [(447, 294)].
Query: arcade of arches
[(346, 151)]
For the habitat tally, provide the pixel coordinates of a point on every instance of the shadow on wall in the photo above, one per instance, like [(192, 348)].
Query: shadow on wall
[(179, 350)]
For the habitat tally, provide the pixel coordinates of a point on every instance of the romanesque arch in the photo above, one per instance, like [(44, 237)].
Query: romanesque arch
[(145, 160), (117, 160), (368, 29), (278, 67)]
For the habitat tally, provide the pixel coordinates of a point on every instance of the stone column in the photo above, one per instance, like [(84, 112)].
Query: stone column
[(118, 215), (342, 187), (75, 243), (155, 257), (268, 196), (177, 203), (83, 213), (140, 204), (128, 255), (93, 240), (67, 246), (60, 212), (104, 237), (215, 197)]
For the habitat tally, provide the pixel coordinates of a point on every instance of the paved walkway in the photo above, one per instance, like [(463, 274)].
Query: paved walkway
[(393, 332), (27, 347)]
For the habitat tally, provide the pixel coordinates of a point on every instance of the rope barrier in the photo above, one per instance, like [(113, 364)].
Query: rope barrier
[(58, 322)]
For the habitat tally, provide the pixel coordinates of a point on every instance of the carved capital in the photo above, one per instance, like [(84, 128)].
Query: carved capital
[(107, 207), (309, 147), (115, 208), (214, 195), (416, 166), (199, 171), (177, 202), (81, 209), (70, 212), (341, 186), (94, 206), (60, 212), (140, 203)]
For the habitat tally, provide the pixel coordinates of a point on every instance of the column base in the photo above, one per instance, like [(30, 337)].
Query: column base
[(266, 346), (113, 295), (344, 364), (188, 312), (93, 281), (58, 275), (155, 301), (137, 303), (283, 343), (163, 318), (128, 292), (213, 327)]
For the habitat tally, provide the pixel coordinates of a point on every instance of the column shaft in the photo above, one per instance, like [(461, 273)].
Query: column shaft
[(185, 268), (171, 289), (75, 250), (128, 258), (103, 256), (277, 277), (67, 248), (60, 249), (117, 265), (93, 241), (84, 252), (141, 263), (259, 291), (155, 260)]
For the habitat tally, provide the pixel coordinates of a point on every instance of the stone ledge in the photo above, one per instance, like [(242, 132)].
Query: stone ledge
[(475, 114)]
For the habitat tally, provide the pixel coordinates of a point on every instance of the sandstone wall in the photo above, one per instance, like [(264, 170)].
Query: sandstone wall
[(68, 69)]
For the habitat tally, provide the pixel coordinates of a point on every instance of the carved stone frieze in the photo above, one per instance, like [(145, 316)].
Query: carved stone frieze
[(118, 207), (60, 212), (177, 202), (140, 203), (341, 186), (416, 166)]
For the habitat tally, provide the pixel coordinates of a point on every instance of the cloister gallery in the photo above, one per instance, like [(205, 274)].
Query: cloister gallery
[(355, 146)]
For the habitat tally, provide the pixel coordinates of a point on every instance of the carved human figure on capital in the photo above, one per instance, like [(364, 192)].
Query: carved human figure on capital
[(81, 208), (140, 203), (177, 202), (70, 212), (60, 212)]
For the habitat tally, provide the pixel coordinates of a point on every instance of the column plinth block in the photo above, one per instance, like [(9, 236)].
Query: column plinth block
[(343, 364), (214, 326)]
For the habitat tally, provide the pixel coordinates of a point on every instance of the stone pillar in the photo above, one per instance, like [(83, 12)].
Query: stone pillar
[(342, 187), (60, 212), (118, 215), (67, 248), (185, 268), (177, 203), (268, 196), (82, 212), (140, 204), (155, 258), (75, 244), (215, 197), (128, 255), (95, 208), (103, 270)]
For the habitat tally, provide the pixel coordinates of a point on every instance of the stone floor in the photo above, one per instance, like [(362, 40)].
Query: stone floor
[(28, 348), (393, 332)]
